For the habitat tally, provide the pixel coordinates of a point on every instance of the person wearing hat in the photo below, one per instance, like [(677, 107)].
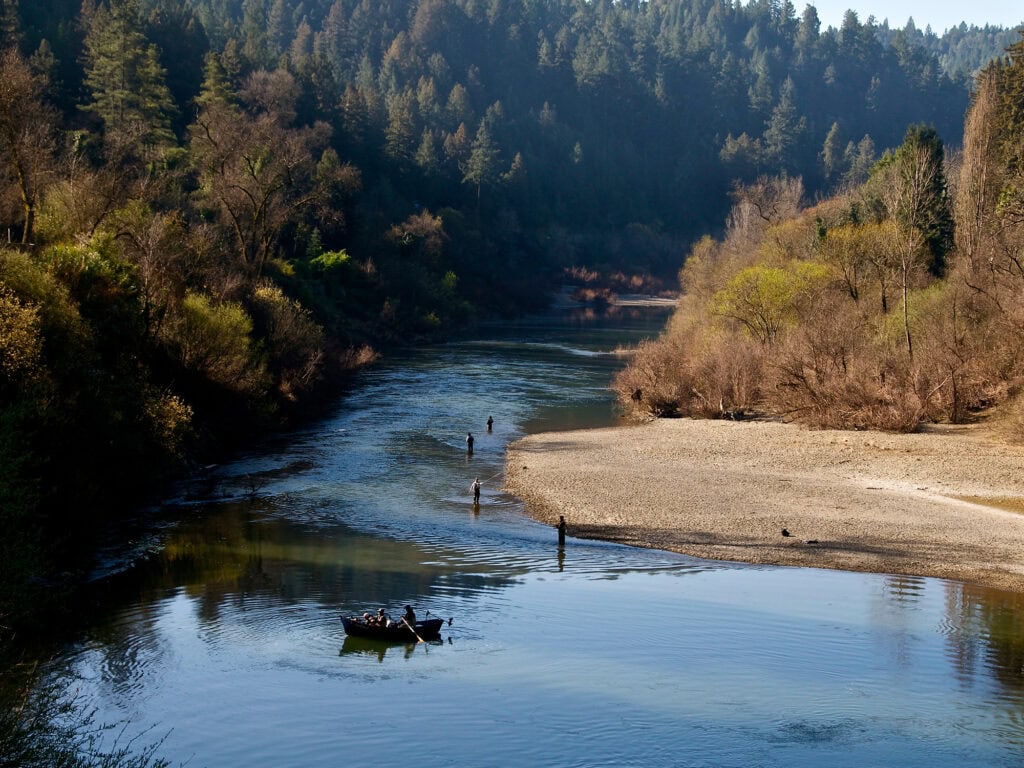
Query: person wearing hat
[(410, 616)]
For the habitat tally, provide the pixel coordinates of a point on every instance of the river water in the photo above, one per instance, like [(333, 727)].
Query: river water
[(225, 644)]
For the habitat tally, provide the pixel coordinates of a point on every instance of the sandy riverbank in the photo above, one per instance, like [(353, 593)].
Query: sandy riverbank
[(948, 502)]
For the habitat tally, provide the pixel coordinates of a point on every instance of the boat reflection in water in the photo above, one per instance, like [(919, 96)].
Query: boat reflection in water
[(367, 647)]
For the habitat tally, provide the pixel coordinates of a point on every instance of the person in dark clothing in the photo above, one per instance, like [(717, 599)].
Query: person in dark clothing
[(490, 423), (476, 491), (410, 616), (469, 442)]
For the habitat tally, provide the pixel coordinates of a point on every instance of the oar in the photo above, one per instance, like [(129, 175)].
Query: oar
[(406, 622)]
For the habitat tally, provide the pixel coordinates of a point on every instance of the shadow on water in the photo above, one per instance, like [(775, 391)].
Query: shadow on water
[(244, 549)]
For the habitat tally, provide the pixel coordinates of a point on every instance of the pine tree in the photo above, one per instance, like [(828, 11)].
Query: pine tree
[(784, 128), (215, 87), (484, 161), (280, 28), (400, 132), (858, 159), (426, 154), (832, 154), (125, 78)]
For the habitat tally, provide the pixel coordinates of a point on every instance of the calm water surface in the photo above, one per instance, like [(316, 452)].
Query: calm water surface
[(227, 643)]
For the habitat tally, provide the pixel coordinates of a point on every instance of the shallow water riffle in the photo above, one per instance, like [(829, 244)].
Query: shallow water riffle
[(227, 644)]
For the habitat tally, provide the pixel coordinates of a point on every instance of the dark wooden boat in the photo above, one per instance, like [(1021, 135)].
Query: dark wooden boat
[(398, 632)]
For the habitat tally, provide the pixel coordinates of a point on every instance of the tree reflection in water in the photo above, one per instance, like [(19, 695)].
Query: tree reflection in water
[(986, 635)]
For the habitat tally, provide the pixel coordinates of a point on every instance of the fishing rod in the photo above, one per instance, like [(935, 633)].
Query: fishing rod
[(491, 477)]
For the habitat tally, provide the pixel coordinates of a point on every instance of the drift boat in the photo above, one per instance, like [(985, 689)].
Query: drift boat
[(396, 632)]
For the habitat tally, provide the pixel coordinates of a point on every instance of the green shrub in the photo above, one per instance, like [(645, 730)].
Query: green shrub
[(293, 341), (214, 339)]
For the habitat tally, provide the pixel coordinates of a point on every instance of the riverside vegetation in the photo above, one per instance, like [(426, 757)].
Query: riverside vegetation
[(214, 210), (892, 303)]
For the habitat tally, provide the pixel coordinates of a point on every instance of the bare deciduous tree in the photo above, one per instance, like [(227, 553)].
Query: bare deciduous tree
[(909, 194), (258, 173), (28, 135), (974, 202), (155, 243)]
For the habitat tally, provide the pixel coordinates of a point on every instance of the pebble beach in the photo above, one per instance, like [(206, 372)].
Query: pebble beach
[(947, 502)]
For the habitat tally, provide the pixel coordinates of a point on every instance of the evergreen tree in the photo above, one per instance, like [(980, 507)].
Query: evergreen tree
[(215, 86), (809, 32), (457, 147), (426, 154), (784, 129), (353, 116), (859, 158), (182, 43), (253, 33), (484, 161), (329, 42), (280, 28), (400, 132), (922, 155), (832, 154), (125, 78)]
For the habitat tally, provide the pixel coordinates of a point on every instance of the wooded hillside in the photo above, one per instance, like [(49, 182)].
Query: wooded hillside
[(895, 303)]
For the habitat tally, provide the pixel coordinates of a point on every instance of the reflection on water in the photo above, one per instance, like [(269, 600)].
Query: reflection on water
[(378, 649), (985, 634), (593, 655)]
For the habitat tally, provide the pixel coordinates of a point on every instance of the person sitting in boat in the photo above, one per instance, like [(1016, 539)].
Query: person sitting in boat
[(382, 619), (367, 619), (410, 616)]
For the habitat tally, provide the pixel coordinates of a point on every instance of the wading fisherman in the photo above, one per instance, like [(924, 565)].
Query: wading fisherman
[(476, 491), (469, 442)]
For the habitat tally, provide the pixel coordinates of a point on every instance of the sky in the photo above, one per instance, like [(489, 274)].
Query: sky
[(941, 14)]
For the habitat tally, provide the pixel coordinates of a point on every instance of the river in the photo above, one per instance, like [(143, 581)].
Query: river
[(225, 643)]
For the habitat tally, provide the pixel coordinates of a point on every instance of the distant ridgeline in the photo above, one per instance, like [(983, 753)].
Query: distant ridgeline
[(213, 208), (551, 133)]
